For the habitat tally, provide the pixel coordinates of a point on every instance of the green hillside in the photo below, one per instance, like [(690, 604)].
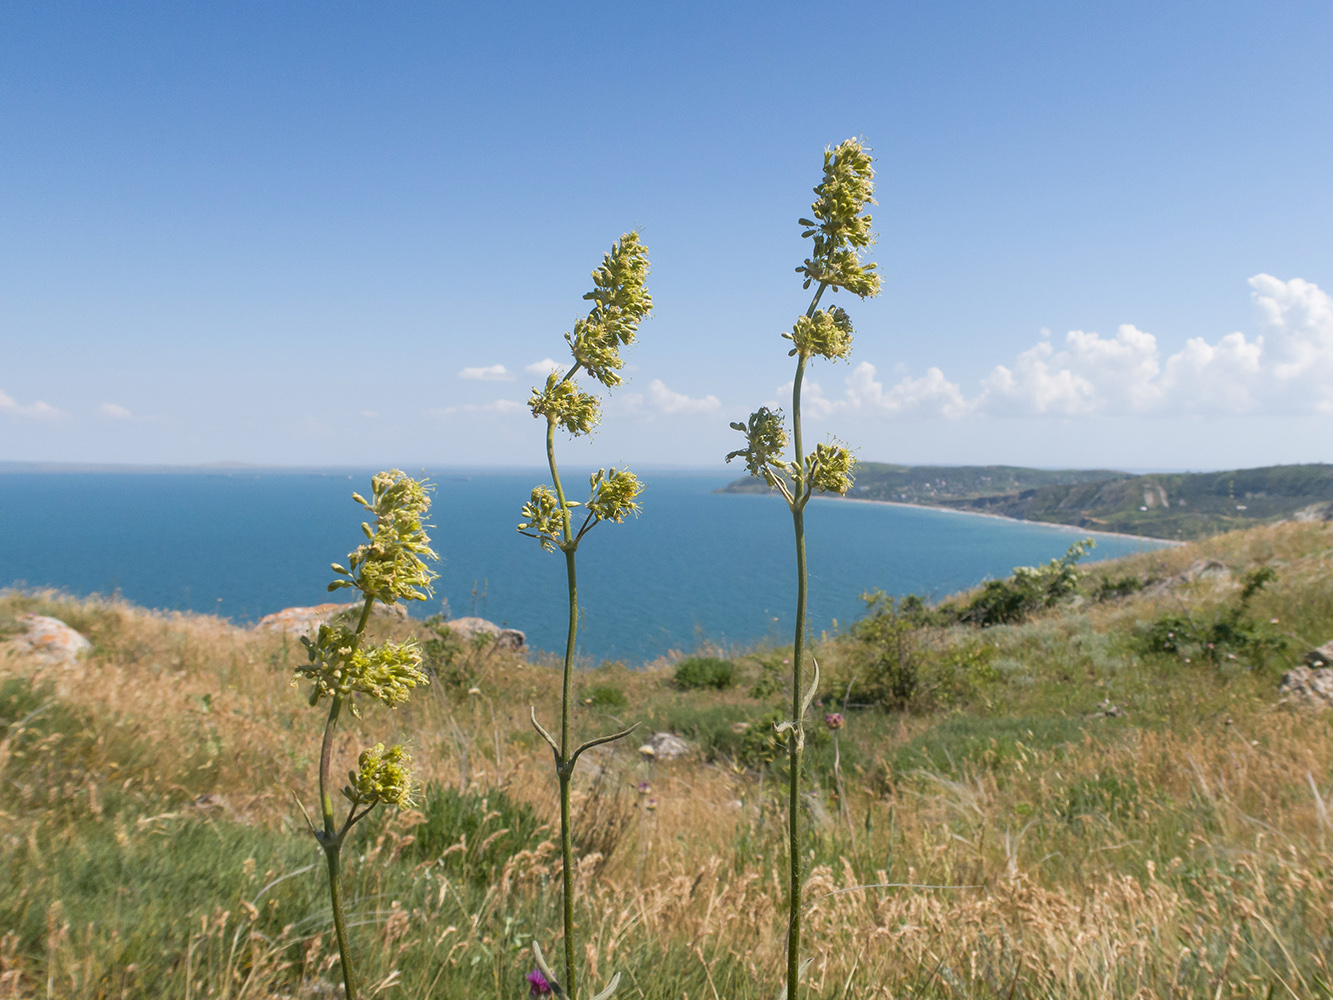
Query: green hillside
[(934, 484), (1173, 505), (1159, 505)]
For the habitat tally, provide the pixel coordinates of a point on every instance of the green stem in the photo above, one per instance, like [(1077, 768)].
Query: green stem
[(565, 765), (332, 840), (566, 772), (332, 851), (796, 739), (795, 743)]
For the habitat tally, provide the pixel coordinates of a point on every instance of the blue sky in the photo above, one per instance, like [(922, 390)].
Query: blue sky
[(308, 233)]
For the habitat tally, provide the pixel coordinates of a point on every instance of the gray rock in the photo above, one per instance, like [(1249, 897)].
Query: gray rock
[(1307, 686), (1106, 710), (1321, 656), (469, 629), (1200, 569), (1206, 569), (307, 620), (51, 641), (665, 746)]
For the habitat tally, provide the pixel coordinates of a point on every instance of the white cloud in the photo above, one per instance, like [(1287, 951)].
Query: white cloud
[(1288, 368), (930, 395), (34, 411), (492, 373), (369, 414), (660, 400), (497, 406), (113, 411), (544, 367)]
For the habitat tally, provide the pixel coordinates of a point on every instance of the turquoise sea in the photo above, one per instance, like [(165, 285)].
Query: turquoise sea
[(696, 567)]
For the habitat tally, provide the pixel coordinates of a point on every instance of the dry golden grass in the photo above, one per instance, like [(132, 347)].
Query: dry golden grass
[(1182, 853)]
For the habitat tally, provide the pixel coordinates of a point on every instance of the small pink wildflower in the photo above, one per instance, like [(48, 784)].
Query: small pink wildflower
[(537, 984), (834, 720)]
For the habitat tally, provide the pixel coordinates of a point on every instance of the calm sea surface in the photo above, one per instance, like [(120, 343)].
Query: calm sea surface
[(696, 566)]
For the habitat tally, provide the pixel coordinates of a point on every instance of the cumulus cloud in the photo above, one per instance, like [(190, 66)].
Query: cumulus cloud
[(1286, 368), (660, 400), (114, 411), (491, 373), (496, 406), (544, 367), (33, 411)]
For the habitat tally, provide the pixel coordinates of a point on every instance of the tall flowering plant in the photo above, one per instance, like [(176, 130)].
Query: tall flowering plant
[(620, 301), (390, 566), (840, 229)]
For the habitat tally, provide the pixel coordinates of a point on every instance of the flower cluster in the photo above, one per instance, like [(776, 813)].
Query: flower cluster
[(621, 301), (381, 776), (543, 519), (840, 228), (830, 468), (613, 494), (387, 672), (766, 438), (564, 404), (391, 565), (826, 333), (834, 720)]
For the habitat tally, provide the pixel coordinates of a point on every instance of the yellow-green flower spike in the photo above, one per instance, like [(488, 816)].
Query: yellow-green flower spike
[(621, 301), (383, 776), (614, 494), (391, 565), (826, 333), (765, 439), (830, 468), (542, 518), (387, 673), (840, 227), (561, 402)]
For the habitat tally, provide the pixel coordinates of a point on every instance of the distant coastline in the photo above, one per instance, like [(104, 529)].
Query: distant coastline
[(1016, 520)]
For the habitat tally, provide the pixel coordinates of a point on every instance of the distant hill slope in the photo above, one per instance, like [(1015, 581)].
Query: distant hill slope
[(1159, 505), (936, 484)]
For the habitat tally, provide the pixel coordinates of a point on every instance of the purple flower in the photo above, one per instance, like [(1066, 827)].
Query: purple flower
[(537, 984), (834, 720), (644, 788)]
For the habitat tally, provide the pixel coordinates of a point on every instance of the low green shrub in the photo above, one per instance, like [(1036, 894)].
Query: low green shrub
[(1215, 638), (1028, 590), (700, 672), (605, 696)]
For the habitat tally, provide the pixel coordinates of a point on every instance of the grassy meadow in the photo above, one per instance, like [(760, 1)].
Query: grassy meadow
[(1090, 803)]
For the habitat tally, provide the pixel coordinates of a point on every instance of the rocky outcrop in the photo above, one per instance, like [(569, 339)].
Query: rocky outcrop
[(307, 620), (664, 746), (1308, 686), (1199, 570), (470, 629), (51, 640), (1320, 656)]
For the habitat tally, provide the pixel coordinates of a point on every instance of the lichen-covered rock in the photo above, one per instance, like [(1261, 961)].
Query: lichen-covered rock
[(307, 620), (469, 629), (51, 640), (1310, 686), (665, 746)]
